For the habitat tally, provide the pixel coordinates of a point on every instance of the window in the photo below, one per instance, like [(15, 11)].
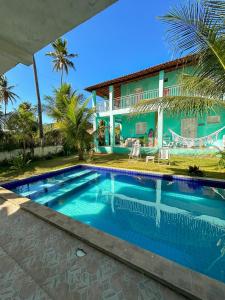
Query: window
[(138, 91), (213, 119), (189, 127), (141, 128)]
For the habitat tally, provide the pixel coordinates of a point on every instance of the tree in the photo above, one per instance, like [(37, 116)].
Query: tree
[(39, 105), (196, 27), (73, 117), (6, 92), (57, 104), (61, 58), (24, 125)]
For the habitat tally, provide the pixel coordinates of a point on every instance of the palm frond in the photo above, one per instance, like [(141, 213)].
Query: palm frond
[(216, 10), (198, 27), (185, 105), (192, 85), (6, 92), (192, 26), (61, 58)]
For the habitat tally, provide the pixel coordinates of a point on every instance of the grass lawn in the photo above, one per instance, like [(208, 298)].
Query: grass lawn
[(179, 165)]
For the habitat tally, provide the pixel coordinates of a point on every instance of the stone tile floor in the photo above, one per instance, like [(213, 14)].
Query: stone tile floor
[(38, 261)]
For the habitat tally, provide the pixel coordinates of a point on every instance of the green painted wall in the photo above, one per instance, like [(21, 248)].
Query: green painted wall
[(203, 128), (152, 83), (152, 151), (173, 76), (129, 124), (145, 84), (170, 122)]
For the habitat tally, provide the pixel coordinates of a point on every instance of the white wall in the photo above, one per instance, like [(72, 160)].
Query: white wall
[(38, 151)]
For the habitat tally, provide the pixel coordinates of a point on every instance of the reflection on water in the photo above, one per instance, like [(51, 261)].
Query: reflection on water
[(182, 221)]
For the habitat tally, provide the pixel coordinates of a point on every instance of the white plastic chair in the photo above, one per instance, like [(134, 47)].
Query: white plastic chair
[(135, 151), (164, 154)]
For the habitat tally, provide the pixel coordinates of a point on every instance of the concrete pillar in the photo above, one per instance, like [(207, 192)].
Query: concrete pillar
[(94, 119), (160, 110), (112, 130), (112, 118), (111, 96), (93, 99), (107, 133)]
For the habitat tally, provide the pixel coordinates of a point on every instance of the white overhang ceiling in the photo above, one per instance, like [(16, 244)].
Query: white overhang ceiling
[(26, 26)]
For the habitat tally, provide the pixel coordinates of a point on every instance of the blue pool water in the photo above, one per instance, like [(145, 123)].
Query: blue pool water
[(181, 220)]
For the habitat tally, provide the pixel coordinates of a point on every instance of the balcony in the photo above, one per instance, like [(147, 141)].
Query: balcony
[(128, 101), (133, 99), (102, 106)]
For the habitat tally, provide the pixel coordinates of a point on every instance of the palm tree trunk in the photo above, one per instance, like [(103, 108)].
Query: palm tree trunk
[(80, 154), (39, 102), (62, 77), (24, 149), (5, 109)]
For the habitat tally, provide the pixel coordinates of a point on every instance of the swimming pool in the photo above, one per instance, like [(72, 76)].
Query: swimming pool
[(182, 220)]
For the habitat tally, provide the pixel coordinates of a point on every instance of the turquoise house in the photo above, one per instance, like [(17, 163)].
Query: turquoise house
[(117, 128)]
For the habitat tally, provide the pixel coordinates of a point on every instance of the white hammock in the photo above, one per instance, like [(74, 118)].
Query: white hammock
[(190, 142)]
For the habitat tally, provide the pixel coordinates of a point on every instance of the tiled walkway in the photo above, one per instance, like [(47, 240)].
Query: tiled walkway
[(38, 261)]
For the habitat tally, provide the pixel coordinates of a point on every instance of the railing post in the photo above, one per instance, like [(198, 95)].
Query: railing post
[(160, 110)]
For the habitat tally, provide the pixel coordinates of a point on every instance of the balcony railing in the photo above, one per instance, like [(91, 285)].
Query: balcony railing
[(175, 90), (102, 106), (133, 99)]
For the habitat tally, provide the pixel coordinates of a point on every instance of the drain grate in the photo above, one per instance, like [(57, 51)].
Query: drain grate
[(80, 252)]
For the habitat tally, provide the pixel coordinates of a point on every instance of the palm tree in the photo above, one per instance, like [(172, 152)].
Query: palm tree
[(73, 117), (61, 58), (6, 92), (1, 119), (196, 27), (57, 104), (39, 105)]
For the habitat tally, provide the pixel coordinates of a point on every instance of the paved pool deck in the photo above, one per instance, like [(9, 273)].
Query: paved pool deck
[(38, 261)]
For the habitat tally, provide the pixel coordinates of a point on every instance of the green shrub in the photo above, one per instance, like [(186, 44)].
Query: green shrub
[(221, 162), (5, 163), (194, 171), (19, 162)]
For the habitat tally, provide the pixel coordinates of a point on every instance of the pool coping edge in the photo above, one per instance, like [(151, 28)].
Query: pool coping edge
[(183, 280)]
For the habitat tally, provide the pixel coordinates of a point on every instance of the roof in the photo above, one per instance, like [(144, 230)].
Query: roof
[(102, 88), (29, 25)]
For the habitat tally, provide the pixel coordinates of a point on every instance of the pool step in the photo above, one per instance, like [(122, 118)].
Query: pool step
[(48, 186), (65, 190)]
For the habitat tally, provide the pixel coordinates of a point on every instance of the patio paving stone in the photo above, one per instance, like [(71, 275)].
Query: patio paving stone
[(39, 261)]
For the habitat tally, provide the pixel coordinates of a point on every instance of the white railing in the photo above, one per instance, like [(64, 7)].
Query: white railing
[(132, 99), (174, 90), (178, 90), (102, 106)]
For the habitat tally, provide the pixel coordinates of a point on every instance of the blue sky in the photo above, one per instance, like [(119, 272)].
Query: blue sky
[(124, 38)]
